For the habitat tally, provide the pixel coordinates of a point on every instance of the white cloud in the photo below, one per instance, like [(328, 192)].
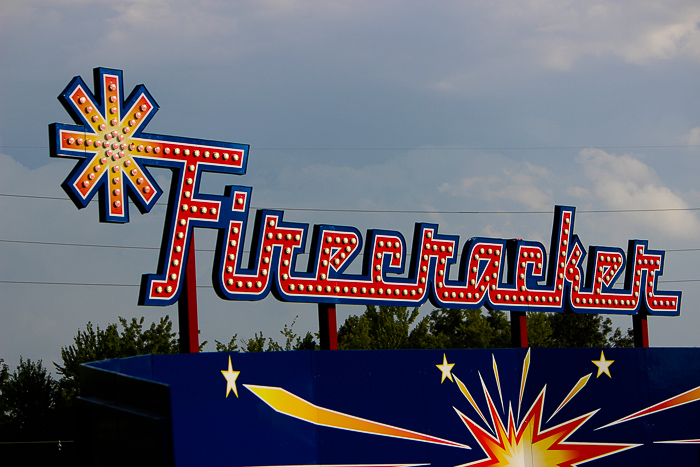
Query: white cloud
[(664, 42), (523, 184), (561, 33), (529, 195), (693, 137), (579, 193), (623, 182)]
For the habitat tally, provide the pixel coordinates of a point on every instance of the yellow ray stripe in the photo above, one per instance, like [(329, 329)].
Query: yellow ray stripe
[(491, 405), (469, 397), (679, 441), (681, 399), (577, 387), (498, 380), (345, 465), (526, 368), (289, 404)]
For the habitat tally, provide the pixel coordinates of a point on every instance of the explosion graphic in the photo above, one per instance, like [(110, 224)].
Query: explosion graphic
[(528, 444), (511, 440)]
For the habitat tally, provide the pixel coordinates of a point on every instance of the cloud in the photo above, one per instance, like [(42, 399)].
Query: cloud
[(693, 137), (521, 183), (625, 183), (561, 33), (664, 42), (578, 192)]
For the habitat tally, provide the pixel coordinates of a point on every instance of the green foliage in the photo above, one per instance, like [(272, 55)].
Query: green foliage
[(575, 330), (30, 403), (618, 339), (232, 346), (539, 332), (388, 327), (308, 342), (396, 328), (392, 327), (4, 372), (469, 329), (258, 342), (102, 344)]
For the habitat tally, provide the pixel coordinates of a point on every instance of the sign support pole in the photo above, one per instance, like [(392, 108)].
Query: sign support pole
[(641, 330), (328, 326), (187, 306), (518, 328)]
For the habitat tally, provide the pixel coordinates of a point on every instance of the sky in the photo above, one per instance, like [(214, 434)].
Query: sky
[(507, 108)]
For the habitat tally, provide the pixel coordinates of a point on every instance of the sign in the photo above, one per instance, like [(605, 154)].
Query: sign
[(444, 408), (515, 275)]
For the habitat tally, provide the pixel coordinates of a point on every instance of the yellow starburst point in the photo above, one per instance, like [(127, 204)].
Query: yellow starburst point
[(603, 365), (231, 377), (446, 369)]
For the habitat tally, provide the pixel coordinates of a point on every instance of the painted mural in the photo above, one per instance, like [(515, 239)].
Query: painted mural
[(509, 407)]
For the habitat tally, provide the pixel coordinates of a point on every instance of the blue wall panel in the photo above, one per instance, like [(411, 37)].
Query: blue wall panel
[(395, 408)]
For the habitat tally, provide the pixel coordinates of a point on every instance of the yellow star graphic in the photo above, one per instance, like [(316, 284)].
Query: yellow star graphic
[(446, 369), (230, 376), (603, 365)]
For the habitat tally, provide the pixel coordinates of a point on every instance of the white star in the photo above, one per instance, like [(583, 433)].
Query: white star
[(603, 365), (230, 376), (446, 369)]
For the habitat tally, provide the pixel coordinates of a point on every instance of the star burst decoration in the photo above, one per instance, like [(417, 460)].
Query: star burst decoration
[(107, 139), (509, 443), (114, 151)]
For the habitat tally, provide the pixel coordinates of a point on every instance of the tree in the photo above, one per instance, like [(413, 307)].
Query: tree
[(232, 346), (388, 327), (394, 328), (30, 403), (575, 330), (257, 343), (102, 344), (469, 329)]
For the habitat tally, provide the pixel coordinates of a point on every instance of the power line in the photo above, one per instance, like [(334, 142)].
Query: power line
[(85, 245), (408, 211), (453, 148), (88, 284), (94, 245), (481, 148), (83, 284), (68, 283), (58, 441)]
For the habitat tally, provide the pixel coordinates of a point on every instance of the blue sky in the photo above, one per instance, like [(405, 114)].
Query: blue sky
[(430, 106)]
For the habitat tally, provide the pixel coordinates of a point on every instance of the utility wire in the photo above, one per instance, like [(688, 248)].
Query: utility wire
[(407, 211), (58, 441), (454, 148), (93, 245), (27, 242), (88, 284), (309, 209)]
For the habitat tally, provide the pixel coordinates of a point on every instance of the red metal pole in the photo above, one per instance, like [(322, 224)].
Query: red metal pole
[(328, 326), (641, 330), (518, 328), (187, 306)]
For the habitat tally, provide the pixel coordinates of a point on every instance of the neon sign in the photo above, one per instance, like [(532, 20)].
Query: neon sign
[(513, 275)]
